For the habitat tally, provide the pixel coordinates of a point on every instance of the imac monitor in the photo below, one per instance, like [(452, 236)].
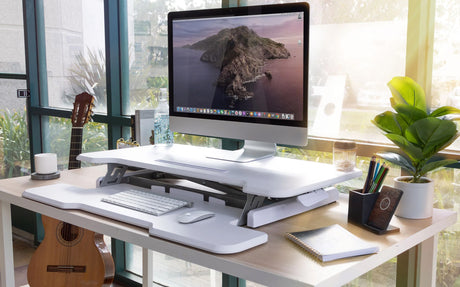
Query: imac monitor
[(241, 73)]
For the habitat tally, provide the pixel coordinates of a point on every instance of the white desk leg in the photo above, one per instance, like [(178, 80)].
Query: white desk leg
[(428, 261), (417, 266), (6, 246), (147, 267), (212, 275)]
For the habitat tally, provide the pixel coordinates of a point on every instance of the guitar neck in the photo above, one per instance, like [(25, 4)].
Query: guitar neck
[(75, 147)]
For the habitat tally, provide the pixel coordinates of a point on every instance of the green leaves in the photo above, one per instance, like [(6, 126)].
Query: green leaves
[(14, 143), (414, 152), (417, 133), (406, 91), (431, 134), (446, 110), (421, 141), (389, 123), (410, 114), (430, 166), (398, 160)]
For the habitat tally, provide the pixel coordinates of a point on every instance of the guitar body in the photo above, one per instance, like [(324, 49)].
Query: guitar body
[(70, 256)]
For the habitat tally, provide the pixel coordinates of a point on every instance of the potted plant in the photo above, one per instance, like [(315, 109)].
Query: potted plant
[(420, 135)]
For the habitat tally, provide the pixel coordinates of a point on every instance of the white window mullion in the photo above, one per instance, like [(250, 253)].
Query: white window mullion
[(420, 40)]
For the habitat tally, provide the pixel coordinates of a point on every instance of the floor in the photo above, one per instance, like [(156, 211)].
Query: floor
[(23, 250)]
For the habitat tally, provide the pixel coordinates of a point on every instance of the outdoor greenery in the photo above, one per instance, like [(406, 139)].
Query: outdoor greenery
[(14, 144), (88, 75), (94, 138)]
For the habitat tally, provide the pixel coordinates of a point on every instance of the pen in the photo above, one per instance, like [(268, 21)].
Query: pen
[(370, 175)]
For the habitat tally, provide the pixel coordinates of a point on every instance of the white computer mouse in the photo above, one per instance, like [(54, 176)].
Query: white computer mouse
[(194, 216)]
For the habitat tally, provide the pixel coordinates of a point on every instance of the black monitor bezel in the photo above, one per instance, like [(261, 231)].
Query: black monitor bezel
[(242, 11)]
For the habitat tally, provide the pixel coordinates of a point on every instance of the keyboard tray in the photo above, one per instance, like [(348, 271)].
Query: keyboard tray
[(218, 234)]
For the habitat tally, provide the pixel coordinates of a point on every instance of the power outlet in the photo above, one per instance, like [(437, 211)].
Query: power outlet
[(23, 93)]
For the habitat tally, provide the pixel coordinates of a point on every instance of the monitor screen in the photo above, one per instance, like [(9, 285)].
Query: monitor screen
[(240, 72)]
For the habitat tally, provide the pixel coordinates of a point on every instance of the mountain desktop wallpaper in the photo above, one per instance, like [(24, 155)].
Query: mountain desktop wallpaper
[(247, 63)]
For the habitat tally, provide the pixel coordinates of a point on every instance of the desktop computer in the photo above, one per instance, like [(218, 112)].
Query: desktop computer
[(241, 73)]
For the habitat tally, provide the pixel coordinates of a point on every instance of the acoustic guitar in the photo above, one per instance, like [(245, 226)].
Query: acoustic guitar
[(70, 256)]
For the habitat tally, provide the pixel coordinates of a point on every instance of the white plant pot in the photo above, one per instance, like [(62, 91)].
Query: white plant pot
[(417, 199)]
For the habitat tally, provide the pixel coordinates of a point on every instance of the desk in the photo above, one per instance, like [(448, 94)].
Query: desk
[(276, 263)]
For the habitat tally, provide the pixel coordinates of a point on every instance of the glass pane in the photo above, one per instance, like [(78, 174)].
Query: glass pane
[(446, 57), (356, 47), (59, 134), (14, 138), (447, 196), (446, 91), (12, 52), (147, 34), (75, 51)]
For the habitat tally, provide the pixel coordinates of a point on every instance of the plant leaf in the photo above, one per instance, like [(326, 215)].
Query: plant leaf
[(412, 151), (446, 110), (407, 92), (398, 159), (388, 122), (449, 142), (436, 164), (410, 114), (431, 134)]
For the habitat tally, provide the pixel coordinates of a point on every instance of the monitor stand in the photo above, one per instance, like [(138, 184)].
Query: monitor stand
[(252, 151)]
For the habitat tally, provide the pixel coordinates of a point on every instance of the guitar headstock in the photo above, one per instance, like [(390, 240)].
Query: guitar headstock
[(82, 109)]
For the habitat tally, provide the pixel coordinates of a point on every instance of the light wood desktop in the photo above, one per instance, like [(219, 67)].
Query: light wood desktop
[(276, 263)]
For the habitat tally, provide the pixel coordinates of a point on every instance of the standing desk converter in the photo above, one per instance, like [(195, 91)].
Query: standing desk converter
[(276, 263), (268, 189)]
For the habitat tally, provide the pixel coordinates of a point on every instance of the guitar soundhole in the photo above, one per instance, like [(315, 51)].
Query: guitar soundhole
[(69, 234)]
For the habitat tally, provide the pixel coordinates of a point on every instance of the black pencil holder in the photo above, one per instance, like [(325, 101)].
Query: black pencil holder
[(360, 206)]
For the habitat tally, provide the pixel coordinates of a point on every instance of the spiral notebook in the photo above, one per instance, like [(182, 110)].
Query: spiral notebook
[(331, 243)]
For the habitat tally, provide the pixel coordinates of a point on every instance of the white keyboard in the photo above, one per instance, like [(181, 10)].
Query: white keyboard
[(145, 201)]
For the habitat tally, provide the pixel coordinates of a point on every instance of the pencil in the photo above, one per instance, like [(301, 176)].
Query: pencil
[(377, 166), (378, 180), (370, 175), (382, 178)]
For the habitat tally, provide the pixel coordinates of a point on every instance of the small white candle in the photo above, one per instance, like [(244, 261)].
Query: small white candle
[(45, 163)]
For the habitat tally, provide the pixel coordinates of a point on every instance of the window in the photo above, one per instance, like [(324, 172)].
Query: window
[(12, 56), (446, 57), (75, 52), (14, 143)]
